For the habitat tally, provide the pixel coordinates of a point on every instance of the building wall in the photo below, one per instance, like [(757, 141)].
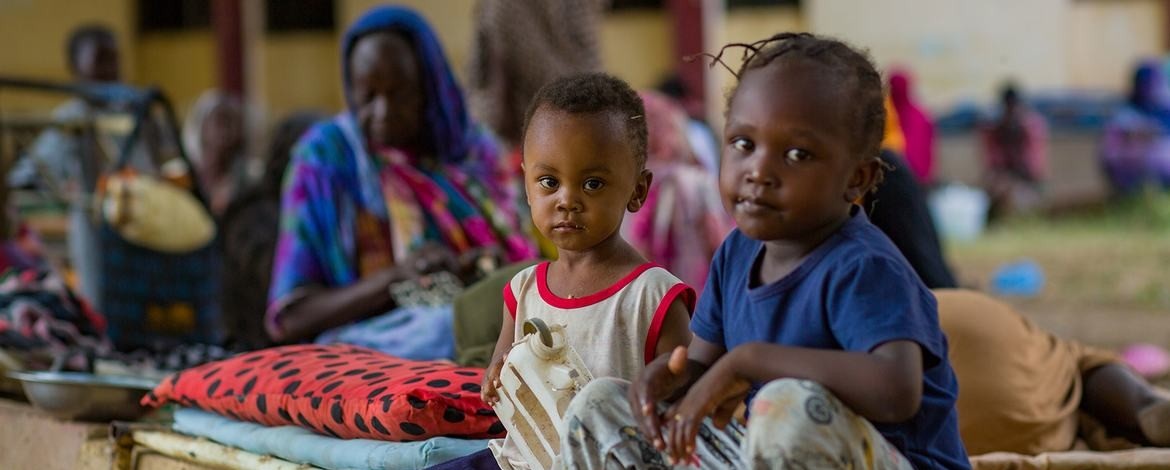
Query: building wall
[(747, 25), (1105, 38), (635, 45), (960, 50), (742, 25), (183, 64), (34, 35), (957, 50), (299, 71)]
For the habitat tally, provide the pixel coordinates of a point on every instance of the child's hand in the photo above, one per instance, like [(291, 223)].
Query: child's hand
[(491, 380), (662, 378), (716, 394)]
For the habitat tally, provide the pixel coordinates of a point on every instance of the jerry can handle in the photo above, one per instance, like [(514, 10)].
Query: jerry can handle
[(536, 325)]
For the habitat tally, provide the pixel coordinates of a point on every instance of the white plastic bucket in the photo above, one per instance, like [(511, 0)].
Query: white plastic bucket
[(540, 376), (959, 211)]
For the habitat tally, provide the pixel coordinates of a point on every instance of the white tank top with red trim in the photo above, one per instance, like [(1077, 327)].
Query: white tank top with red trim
[(615, 331)]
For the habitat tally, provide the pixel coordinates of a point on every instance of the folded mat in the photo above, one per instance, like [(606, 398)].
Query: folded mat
[(299, 445), (1135, 459)]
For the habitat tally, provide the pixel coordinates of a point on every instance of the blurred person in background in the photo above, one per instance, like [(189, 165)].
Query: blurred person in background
[(1022, 389), (54, 160), (1015, 155), (214, 134), (1025, 390), (703, 139), (249, 227), (683, 220), (916, 125), (400, 187), (1135, 147), (519, 47), (898, 206)]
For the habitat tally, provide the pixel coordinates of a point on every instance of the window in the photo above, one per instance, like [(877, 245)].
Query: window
[(300, 16), (618, 5), (173, 15), (762, 3)]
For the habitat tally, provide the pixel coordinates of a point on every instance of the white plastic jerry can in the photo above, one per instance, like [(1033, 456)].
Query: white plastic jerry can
[(539, 378)]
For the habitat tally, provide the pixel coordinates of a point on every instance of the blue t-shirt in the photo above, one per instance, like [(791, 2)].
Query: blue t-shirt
[(853, 292)]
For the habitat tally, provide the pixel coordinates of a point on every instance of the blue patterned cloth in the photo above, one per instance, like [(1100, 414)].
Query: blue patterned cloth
[(302, 446), (417, 333)]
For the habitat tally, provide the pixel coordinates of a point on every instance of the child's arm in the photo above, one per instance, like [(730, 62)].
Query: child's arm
[(491, 376), (884, 385), (676, 328)]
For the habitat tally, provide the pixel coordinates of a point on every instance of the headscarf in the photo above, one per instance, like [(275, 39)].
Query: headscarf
[(521, 45), (916, 127), (450, 128), (1148, 93)]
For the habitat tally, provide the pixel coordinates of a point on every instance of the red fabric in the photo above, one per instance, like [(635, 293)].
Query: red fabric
[(338, 390), (553, 299), (680, 290), (510, 299)]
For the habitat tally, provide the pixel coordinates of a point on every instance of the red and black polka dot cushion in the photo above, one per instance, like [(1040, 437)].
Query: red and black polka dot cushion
[(338, 390)]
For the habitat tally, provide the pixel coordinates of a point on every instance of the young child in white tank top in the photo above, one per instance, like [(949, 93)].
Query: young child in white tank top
[(584, 166)]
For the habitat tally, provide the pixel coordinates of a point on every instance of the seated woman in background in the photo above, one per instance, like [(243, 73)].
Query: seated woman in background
[(683, 221), (1015, 155), (1136, 146), (399, 186), (214, 135)]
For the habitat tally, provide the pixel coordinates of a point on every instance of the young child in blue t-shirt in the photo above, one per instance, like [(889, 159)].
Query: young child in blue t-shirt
[(810, 313)]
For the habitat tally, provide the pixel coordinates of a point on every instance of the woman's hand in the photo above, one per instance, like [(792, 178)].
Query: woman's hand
[(432, 257), (478, 262), (428, 259), (717, 394)]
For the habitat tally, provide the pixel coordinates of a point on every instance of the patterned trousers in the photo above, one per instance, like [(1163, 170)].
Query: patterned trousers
[(795, 424)]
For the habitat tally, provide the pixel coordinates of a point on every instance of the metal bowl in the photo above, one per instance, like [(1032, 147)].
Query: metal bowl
[(85, 397)]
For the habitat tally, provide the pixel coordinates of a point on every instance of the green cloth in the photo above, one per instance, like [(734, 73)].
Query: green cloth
[(479, 316)]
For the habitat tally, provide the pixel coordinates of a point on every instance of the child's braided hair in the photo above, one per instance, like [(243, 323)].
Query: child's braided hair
[(852, 66)]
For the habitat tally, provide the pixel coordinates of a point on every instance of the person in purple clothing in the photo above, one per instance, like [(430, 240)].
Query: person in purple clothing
[(1135, 147), (810, 314)]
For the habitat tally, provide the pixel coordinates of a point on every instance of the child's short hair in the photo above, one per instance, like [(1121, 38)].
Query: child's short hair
[(83, 34), (593, 93), (847, 62)]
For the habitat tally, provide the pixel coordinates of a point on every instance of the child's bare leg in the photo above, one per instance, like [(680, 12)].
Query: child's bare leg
[(1126, 404)]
